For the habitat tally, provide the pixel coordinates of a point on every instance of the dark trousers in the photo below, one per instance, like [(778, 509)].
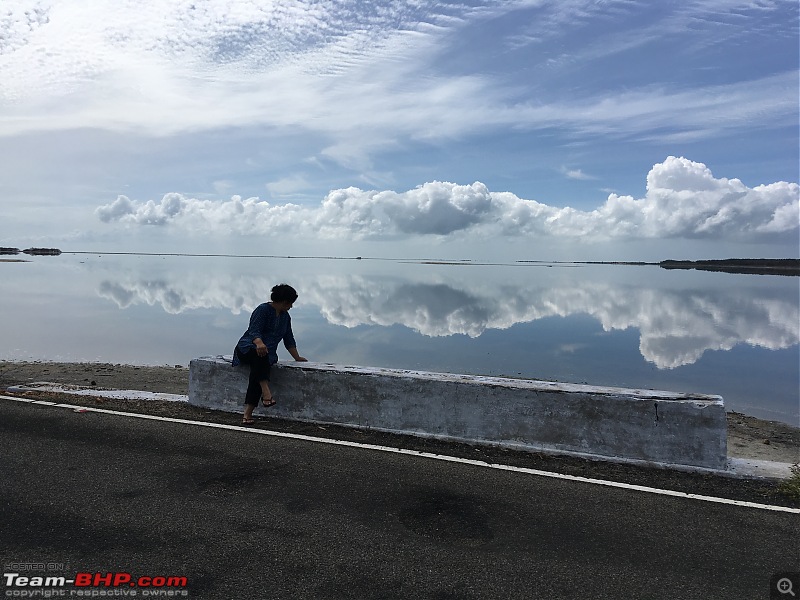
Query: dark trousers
[(259, 371)]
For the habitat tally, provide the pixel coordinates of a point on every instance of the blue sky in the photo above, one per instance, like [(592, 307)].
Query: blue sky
[(569, 129)]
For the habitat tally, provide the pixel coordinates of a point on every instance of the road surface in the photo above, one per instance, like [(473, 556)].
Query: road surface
[(246, 515)]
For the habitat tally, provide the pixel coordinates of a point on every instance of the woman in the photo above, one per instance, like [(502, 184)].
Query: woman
[(258, 347)]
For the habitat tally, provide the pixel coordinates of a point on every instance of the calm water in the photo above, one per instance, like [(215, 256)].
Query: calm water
[(628, 326)]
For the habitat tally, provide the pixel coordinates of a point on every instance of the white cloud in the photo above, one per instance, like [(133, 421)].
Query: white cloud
[(222, 186), (288, 186), (650, 112), (683, 199), (166, 67), (576, 174), (362, 73)]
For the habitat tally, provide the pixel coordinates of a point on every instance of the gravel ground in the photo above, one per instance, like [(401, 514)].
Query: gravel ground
[(748, 437)]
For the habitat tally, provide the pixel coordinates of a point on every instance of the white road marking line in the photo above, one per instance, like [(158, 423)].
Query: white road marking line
[(417, 453)]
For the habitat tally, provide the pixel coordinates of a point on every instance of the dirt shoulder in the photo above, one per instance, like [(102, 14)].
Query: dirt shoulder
[(167, 379), (748, 437)]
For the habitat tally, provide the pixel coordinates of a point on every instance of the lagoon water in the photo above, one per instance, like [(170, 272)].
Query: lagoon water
[(618, 325)]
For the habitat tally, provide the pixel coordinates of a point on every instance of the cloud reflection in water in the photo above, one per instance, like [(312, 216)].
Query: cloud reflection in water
[(676, 326)]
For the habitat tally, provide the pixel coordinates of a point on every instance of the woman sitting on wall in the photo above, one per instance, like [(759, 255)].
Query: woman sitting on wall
[(258, 347)]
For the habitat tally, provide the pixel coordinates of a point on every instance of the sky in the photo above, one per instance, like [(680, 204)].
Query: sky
[(482, 130)]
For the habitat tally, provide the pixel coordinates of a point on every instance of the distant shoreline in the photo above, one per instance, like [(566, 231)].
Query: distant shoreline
[(750, 266), (754, 266)]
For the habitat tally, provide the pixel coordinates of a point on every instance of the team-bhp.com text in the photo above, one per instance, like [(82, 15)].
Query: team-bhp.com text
[(94, 585)]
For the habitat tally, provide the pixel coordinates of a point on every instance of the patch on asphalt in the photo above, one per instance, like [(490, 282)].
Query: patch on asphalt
[(451, 517)]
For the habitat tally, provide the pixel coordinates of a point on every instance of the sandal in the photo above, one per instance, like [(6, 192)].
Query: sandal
[(248, 421), (267, 402)]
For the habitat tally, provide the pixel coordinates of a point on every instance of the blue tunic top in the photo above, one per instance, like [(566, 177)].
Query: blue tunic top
[(271, 327)]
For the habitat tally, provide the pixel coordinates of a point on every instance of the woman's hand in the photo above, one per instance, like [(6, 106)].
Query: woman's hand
[(296, 355), (261, 348)]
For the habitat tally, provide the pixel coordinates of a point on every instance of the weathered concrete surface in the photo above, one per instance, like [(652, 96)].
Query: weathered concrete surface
[(642, 425)]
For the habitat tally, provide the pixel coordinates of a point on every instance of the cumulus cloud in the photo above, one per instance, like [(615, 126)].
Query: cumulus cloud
[(683, 200), (234, 216)]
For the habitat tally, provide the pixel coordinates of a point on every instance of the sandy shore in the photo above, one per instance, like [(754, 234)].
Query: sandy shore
[(748, 437)]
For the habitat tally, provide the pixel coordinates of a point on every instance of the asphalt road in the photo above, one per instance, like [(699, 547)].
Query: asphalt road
[(244, 515)]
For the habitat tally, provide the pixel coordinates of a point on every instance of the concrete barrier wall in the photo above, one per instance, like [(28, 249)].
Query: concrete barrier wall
[(642, 425)]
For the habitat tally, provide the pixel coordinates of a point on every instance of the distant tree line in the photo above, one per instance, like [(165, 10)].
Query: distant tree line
[(756, 266), (32, 251)]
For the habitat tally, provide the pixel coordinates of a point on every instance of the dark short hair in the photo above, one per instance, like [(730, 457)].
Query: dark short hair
[(283, 293)]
